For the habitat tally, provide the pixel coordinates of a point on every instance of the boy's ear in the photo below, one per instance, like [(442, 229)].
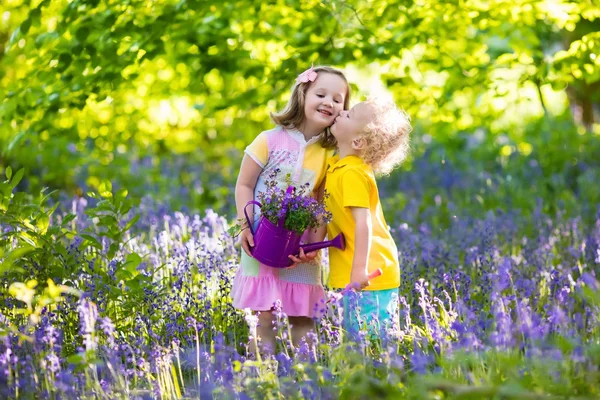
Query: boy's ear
[(359, 143)]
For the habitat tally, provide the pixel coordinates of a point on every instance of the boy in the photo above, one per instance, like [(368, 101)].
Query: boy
[(373, 137)]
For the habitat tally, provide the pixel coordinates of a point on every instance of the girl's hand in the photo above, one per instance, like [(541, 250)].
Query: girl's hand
[(302, 257), (247, 241)]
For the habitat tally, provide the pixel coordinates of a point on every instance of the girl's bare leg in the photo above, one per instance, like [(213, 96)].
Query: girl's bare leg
[(265, 332), (300, 327)]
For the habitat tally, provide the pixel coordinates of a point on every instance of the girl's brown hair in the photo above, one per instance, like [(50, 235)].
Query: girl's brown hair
[(293, 113)]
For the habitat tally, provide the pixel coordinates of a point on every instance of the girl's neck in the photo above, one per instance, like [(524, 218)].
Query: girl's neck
[(309, 131)]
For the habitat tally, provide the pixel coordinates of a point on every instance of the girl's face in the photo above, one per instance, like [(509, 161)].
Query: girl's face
[(324, 100)]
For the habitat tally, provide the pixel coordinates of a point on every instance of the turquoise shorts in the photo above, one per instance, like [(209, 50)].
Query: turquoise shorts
[(370, 310)]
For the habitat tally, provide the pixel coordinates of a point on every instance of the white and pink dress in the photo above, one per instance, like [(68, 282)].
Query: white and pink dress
[(257, 286)]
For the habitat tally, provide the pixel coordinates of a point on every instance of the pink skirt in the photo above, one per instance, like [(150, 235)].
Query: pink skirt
[(258, 287)]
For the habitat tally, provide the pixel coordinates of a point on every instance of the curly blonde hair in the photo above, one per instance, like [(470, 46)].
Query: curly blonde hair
[(293, 113), (387, 136)]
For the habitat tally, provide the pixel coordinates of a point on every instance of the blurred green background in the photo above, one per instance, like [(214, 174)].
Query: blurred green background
[(162, 97)]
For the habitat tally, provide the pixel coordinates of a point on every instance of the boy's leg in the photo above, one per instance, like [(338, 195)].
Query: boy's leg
[(377, 309), (352, 315), (388, 308)]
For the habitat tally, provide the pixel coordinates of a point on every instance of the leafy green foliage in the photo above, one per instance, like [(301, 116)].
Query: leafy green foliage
[(31, 245), (90, 87)]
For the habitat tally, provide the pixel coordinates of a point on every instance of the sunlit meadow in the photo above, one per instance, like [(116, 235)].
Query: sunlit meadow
[(497, 304), (122, 127)]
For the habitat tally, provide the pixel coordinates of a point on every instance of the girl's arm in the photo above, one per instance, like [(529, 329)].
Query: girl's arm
[(362, 235), (318, 235), (244, 192)]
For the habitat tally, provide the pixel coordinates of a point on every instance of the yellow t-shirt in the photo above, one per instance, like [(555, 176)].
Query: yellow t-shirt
[(351, 183)]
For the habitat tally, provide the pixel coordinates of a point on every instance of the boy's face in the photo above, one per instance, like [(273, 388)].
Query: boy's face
[(349, 125)]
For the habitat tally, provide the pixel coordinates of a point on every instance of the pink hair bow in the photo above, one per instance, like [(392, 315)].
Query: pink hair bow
[(307, 76)]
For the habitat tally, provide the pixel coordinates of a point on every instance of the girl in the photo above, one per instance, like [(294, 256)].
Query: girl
[(299, 146)]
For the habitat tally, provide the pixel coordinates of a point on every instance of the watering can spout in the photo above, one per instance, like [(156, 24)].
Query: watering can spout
[(337, 242)]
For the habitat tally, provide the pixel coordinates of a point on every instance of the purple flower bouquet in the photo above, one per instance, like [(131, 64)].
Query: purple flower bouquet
[(294, 205), (285, 215)]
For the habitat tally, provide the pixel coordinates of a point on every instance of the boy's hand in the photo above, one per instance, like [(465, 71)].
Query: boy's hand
[(359, 279), (302, 257), (247, 241)]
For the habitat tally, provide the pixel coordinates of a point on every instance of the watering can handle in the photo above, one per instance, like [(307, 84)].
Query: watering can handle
[(250, 224), (281, 221)]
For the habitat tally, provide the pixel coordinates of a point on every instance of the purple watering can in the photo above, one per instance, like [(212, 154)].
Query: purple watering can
[(273, 243)]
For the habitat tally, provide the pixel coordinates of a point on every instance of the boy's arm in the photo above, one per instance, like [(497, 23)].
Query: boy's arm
[(362, 236)]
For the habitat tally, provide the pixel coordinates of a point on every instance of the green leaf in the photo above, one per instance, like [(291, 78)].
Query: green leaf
[(42, 223), (76, 359), (82, 34), (17, 178), (25, 25), (131, 223), (104, 205), (8, 172), (64, 60), (27, 238), (35, 16), (132, 261), (90, 240), (68, 218), (43, 200), (15, 140), (123, 275), (10, 257), (112, 250), (51, 210)]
